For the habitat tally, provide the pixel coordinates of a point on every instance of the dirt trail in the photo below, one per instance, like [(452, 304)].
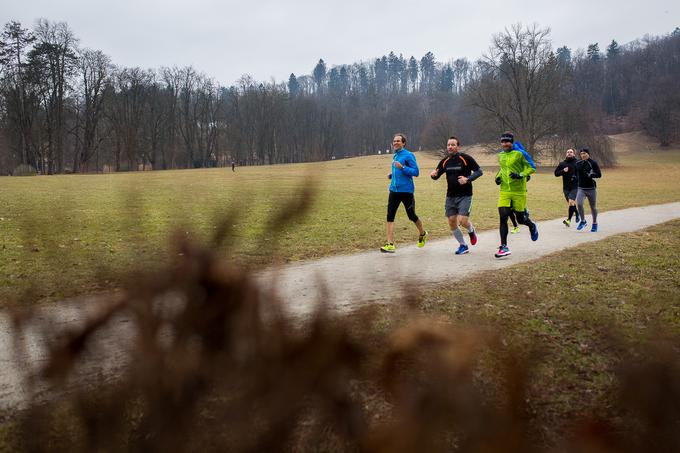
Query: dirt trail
[(347, 281), (372, 276)]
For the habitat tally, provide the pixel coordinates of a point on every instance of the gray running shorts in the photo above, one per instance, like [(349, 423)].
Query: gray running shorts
[(570, 194), (458, 206)]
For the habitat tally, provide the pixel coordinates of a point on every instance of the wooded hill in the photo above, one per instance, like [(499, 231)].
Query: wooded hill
[(67, 108)]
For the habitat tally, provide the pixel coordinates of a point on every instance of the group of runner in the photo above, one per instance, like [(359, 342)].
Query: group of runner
[(516, 168)]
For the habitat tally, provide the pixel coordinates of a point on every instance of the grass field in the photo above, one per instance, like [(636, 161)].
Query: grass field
[(571, 327), (581, 311), (58, 233)]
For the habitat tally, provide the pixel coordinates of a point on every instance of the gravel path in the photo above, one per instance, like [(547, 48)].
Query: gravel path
[(346, 281)]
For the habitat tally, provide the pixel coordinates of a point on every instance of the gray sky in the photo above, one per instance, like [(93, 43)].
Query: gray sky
[(266, 38)]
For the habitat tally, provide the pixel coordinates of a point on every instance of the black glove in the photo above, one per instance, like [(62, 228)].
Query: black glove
[(498, 180), (389, 176), (591, 173), (514, 175), (528, 178)]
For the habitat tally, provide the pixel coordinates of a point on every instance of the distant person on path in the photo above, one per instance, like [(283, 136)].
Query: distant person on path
[(404, 168), (233, 166), (515, 166), (567, 170), (461, 169), (587, 170)]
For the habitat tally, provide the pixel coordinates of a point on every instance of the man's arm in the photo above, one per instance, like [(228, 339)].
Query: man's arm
[(439, 171), (595, 172), (475, 174), (411, 166), (476, 169)]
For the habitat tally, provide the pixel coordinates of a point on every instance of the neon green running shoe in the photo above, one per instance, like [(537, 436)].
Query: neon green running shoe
[(388, 248), (515, 230), (421, 239)]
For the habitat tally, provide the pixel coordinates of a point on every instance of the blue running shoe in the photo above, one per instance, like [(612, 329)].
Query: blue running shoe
[(534, 233), (462, 250), (581, 225), (593, 228)]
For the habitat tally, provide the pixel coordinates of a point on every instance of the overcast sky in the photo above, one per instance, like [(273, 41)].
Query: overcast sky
[(270, 39)]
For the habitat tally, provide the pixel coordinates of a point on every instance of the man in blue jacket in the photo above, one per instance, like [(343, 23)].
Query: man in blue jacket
[(404, 168)]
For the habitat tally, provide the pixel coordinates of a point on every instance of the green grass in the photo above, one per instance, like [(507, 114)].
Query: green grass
[(57, 233), (580, 310)]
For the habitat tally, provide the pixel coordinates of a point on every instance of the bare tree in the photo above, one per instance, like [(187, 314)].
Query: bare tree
[(517, 82), (94, 69), (54, 60)]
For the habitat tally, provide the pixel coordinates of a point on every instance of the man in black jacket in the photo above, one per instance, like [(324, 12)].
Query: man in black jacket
[(586, 171), (460, 169), (567, 170)]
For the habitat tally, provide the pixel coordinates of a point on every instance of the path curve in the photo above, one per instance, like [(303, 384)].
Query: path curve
[(346, 281)]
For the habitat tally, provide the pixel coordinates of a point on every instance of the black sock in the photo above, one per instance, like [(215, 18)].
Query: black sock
[(504, 233)]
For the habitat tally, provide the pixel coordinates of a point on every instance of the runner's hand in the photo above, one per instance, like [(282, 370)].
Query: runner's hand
[(398, 164), (498, 180), (566, 169), (434, 173), (514, 175), (462, 180), (389, 176)]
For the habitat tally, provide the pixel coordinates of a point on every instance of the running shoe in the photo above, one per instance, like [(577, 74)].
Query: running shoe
[(593, 228), (463, 249), (514, 230), (581, 225), (473, 237), (502, 252), (421, 239), (567, 222), (388, 248), (534, 233)]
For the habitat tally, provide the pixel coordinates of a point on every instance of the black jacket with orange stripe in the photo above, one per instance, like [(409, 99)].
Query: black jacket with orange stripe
[(459, 164)]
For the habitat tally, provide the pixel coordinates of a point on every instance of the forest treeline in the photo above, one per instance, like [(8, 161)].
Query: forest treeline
[(68, 108)]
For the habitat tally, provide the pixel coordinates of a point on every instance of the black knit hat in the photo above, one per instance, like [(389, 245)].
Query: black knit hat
[(585, 149), (508, 137)]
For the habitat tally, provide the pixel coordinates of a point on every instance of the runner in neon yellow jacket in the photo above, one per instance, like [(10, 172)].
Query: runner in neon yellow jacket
[(515, 166), (515, 160)]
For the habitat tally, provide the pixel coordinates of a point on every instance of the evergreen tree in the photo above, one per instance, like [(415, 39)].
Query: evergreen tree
[(446, 79), (427, 70), (381, 74), (593, 52), (613, 50), (564, 55), (413, 72), (344, 82), (293, 85), (363, 79), (14, 43), (334, 82), (319, 75)]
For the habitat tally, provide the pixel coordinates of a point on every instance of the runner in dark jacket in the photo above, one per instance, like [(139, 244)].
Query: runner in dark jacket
[(460, 169), (587, 170), (567, 170)]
